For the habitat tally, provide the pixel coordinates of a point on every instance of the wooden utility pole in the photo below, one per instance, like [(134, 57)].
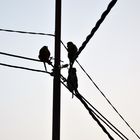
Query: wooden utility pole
[(56, 82)]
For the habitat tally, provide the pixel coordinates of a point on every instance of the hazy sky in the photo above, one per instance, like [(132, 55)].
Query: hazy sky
[(111, 58)]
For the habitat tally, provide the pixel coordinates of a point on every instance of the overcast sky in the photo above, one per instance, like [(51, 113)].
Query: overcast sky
[(111, 58)]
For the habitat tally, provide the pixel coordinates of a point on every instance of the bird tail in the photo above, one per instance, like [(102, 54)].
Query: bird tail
[(45, 66)]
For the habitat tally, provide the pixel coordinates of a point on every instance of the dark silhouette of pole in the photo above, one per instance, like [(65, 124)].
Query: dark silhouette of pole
[(56, 81)]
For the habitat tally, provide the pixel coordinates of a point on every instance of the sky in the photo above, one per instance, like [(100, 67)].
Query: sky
[(111, 58)]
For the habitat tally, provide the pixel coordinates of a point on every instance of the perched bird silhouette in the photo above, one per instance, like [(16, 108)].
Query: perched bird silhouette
[(72, 50), (72, 80), (44, 56)]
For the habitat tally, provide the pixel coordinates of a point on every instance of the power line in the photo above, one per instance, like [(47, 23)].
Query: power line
[(110, 6), (25, 32), (98, 23), (103, 117), (94, 117), (104, 96), (80, 95), (80, 49), (90, 112), (24, 68), (105, 121), (103, 93), (96, 87), (27, 68), (116, 132), (18, 56), (108, 101), (50, 73), (27, 58), (94, 83), (35, 33)]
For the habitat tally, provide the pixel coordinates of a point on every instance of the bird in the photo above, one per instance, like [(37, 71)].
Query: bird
[(72, 80), (72, 50), (44, 56)]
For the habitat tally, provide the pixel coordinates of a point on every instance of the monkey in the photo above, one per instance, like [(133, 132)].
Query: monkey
[(72, 81), (44, 56), (72, 50)]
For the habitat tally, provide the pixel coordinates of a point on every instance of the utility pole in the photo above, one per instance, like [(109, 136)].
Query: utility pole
[(56, 81)]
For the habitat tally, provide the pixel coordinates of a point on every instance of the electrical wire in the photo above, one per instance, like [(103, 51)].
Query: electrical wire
[(24, 68), (110, 6), (110, 102), (25, 32), (105, 121), (112, 3), (94, 117), (98, 23), (27, 58), (80, 97), (103, 117), (12, 66), (104, 95), (42, 72), (18, 56)]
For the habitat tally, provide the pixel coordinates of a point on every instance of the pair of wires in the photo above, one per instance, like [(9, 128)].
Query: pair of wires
[(92, 111), (96, 115), (20, 67)]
